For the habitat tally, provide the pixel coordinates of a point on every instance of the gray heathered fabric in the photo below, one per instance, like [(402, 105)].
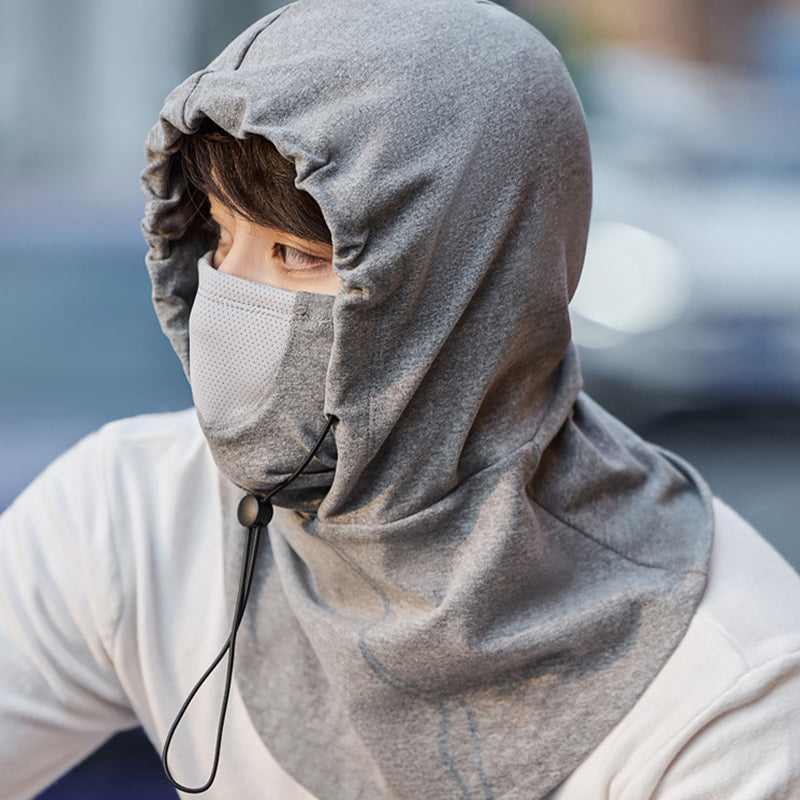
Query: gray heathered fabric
[(498, 568)]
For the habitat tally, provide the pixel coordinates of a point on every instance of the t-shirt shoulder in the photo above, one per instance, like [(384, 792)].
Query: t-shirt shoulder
[(179, 425), (753, 595)]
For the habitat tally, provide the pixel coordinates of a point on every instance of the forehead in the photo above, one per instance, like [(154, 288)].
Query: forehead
[(230, 218), (218, 208)]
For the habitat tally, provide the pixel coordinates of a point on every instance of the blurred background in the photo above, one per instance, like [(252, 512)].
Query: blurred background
[(687, 318)]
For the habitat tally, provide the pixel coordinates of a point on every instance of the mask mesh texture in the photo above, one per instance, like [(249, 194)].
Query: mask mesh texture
[(238, 333)]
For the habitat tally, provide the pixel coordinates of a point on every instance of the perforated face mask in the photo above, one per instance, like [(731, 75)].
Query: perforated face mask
[(258, 359)]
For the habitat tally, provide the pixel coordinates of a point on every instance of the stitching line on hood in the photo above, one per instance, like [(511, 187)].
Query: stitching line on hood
[(278, 15), (202, 73), (614, 550), (188, 97)]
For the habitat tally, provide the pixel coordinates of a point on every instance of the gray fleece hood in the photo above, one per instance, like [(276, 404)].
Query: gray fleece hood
[(498, 568)]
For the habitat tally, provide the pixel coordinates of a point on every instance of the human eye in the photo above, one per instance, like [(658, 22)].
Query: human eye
[(297, 261)]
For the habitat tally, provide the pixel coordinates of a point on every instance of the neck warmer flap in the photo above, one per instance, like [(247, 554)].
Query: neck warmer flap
[(496, 568)]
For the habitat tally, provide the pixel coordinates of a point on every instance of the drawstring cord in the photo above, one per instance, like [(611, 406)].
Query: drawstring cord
[(254, 513)]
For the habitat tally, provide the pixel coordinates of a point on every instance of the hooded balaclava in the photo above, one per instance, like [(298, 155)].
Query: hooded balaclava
[(495, 569)]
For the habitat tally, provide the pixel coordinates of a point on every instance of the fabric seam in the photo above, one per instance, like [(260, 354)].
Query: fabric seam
[(246, 50), (202, 73), (614, 550), (108, 518), (723, 633), (239, 304), (719, 698)]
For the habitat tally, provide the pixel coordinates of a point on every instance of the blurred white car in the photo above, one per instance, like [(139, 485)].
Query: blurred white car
[(691, 289)]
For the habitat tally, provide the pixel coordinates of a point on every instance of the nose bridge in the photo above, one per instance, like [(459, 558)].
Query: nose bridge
[(245, 254)]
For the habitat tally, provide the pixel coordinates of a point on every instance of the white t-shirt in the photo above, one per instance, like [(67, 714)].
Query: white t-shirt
[(112, 603)]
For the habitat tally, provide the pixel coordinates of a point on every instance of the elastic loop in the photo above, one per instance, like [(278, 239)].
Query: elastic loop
[(249, 557), (261, 514)]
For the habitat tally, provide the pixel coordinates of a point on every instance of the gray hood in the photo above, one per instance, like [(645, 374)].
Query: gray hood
[(498, 568)]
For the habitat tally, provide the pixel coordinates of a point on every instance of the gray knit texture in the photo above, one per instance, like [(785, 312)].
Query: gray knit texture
[(497, 568)]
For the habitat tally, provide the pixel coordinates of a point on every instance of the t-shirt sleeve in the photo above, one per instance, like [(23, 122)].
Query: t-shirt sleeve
[(719, 722), (59, 604), (746, 745)]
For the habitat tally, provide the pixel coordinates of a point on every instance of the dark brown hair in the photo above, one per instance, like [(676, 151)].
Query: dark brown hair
[(251, 177)]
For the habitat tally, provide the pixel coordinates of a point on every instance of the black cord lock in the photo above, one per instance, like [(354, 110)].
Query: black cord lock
[(254, 511)]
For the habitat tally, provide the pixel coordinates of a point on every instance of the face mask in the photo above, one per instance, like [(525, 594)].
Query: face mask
[(258, 360)]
